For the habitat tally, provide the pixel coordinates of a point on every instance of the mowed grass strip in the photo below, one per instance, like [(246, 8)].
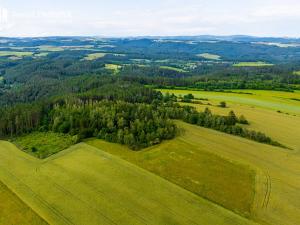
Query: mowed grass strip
[(84, 185), (14, 211), (173, 68)]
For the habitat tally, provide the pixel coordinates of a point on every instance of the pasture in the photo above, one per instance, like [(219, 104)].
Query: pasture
[(14, 211), (196, 160), (94, 56), (297, 73), (252, 64), (15, 54), (115, 68), (44, 144), (85, 185), (209, 56)]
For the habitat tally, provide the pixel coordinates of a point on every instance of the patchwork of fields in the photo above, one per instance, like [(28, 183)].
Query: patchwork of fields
[(84, 185)]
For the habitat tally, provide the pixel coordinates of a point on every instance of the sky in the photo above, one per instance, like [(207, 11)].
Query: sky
[(21, 18)]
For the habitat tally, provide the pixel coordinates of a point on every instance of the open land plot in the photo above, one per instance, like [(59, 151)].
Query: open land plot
[(15, 211), (277, 195), (261, 111), (15, 54), (44, 144), (272, 100), (252, 64), (84, 185), (209, 56), (95, 56)]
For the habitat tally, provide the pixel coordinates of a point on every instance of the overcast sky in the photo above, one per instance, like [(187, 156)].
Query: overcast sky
[(149, 17)]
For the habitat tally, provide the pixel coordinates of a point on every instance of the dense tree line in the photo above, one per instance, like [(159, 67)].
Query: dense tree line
[(123, 113)]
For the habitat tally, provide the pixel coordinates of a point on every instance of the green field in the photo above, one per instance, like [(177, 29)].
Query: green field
[(197, 161), (209, 56), (252, 64), (84, 185), (44, 144), (94, 56), (173, 68), (49, 48), (272, 100), (15, 54), (297, 73), (14, 211), (115, 68)]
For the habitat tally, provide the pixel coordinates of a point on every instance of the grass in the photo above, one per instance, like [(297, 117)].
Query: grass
[(195, 170), (173, 68), (15, 211), (49, 48), (113, 67), (85, 185), (44, 144), (41, 54), (209, 56), (271, 100), (260, 109), (252, 64), (204, 161), (297, 73), (94, 56), (15, 54)]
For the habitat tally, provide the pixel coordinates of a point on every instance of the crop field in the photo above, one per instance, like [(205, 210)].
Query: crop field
[(252, 64), (297, 73), (281, 126), (209, 56), (172, 68), (15, 54), (94, 56), (272, 100), (84, 185), (277, 195), (14, 211)]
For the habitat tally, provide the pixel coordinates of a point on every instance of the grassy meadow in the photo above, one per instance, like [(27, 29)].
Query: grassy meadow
[(209, 56), (14, 211), (252, 64), (44, 144), (85, 185), (115, 68), (94, 56), (15, 54)]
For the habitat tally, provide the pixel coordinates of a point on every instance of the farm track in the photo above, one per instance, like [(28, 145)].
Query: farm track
[(268, 191)]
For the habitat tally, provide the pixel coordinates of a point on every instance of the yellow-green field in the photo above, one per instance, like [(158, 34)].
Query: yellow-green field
[(261, 111), (277, 192), (84, 185), (272, 100), (252, 64), (113, 67), (49, 48), (94, 56), (15, 54), (172, 68), (14, 211), (297, 73), (209, 56)]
